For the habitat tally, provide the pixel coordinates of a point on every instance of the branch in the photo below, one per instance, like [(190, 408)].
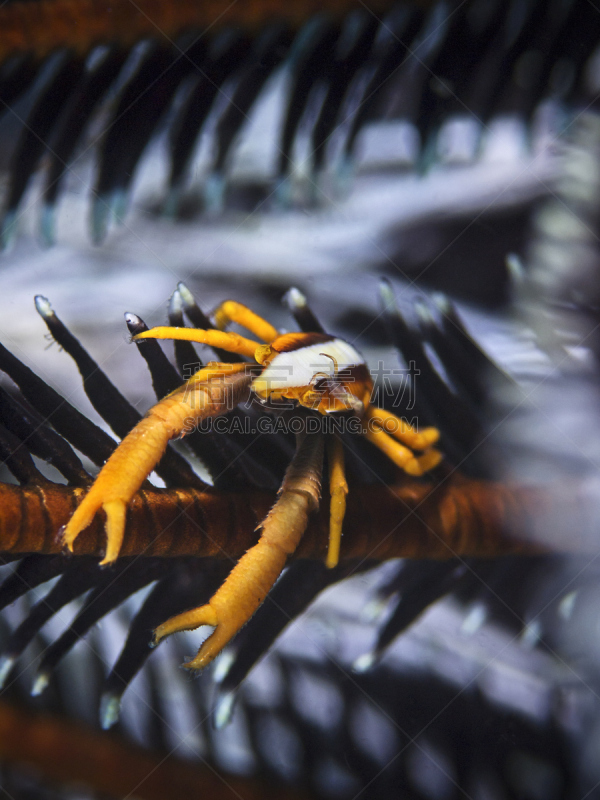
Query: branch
[(412, 519)]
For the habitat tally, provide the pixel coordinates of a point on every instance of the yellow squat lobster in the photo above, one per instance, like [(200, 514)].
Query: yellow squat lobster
[(314, 370)]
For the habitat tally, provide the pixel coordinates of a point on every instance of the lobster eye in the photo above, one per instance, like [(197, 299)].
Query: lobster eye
[(320, 384)]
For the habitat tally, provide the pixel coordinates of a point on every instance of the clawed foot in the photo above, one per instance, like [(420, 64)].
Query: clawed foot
[(419, 465), (225, 629), (115, 510), (249, 582)]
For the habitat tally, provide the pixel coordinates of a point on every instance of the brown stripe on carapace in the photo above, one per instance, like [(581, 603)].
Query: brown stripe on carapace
[(357, 380), (296, 341), (357, 373), (43, 26)]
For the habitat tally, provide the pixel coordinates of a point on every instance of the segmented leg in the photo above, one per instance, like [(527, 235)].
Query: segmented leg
[(401, 430), (232, 342), (338, 489), (402, 456), (212, 391), (255, 573), (230, 311)]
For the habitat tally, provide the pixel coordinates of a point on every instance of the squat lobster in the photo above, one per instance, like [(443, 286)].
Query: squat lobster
[(314, 370)]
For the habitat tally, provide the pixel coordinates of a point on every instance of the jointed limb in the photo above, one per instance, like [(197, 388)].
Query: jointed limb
[(232, 342), (214, 369), (338, 489), (230, 311), (255, 573), (402, 456), (134, 459), (401, 430)]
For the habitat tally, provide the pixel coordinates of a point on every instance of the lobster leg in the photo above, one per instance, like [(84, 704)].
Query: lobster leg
[(230, 311), (232, 342), (338, 489), (212, 391), (250, 580), (401, 430), (401, 455)]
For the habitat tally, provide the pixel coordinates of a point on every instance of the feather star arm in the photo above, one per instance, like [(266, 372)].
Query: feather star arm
[(415, 519)]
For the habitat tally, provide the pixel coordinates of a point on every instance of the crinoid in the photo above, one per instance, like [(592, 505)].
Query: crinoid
[(313, 370), (189, 534), (197, 69), (462, 536)]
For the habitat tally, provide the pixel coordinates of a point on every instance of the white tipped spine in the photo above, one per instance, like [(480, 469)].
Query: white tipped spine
[(110, 709), (294, 298), (6, 664), (43, 307), (131, 319), (224, 710), (176, 303), (364, 663), (187, 298), (40, 683)]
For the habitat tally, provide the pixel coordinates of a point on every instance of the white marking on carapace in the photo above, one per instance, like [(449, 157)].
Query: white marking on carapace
[(298, 367)]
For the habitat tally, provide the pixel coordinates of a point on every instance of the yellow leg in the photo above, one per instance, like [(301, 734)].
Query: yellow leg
[(402, 456), (250, 580), (234, 603), (338, 489), (232, 342), (133, 460), (401, 430), (213, 369), (230, 311)]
